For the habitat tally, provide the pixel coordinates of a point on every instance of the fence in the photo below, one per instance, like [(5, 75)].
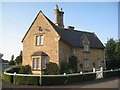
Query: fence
[(27, 79)]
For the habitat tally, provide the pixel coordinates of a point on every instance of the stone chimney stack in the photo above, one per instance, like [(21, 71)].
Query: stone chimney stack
[(58, 17)]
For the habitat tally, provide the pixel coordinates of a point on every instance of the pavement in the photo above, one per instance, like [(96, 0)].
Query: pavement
[(112, 82)]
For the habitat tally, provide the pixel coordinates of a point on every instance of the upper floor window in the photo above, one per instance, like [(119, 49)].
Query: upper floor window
[(74, 50), (86, 63), (39, 40), (86, 48)]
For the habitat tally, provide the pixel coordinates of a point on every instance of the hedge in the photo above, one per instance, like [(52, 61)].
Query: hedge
[(80, 78), (26, 80), (56, 80), (111, 74), (7, 78)]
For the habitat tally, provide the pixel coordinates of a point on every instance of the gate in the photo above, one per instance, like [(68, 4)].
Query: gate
[(99, 74)]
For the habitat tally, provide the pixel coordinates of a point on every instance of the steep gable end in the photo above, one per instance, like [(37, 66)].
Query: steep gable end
[(38, 23)]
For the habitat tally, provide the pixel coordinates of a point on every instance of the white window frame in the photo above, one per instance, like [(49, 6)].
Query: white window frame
[(86, 63), (44, 63), (39, 40), (86, 47), (99, 62), (36, 63)]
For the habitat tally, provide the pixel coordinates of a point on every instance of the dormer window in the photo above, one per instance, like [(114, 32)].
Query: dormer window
[(86, 47), (86, 44), (39, 40)]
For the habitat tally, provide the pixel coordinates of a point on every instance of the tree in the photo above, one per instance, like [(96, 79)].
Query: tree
[(72, 64), (63, 67), (19, 58), (112, 53), (117, 54), (110, 49), (12, 57)]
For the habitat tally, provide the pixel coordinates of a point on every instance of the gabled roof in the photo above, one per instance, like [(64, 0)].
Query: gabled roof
[(75, 37)]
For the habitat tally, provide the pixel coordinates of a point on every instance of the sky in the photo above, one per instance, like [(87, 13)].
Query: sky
[(98, 17)]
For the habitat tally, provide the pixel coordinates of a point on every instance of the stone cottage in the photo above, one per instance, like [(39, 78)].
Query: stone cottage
[(46, 42)]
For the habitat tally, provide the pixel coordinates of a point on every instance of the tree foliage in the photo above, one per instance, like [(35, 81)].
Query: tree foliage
[(112, 53), (110, 49), (72, 64), (12, 57), (18, 59), (12, 62)]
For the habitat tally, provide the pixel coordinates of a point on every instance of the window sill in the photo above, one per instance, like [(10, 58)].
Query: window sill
[(38, 45), (36, 70), (86, 51)]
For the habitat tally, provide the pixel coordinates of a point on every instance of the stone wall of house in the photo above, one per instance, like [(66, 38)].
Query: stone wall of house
[(93, 56), (66, 51), (50, 45)]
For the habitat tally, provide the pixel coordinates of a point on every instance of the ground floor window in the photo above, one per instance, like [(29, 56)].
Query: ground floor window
[(36, 63), (86, 63), (43, 63), (99, 62)]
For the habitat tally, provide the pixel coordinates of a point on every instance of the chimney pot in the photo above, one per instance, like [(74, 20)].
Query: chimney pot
[(71, 27)]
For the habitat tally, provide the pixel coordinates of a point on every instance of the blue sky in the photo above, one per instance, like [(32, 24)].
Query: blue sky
[(98, 17)]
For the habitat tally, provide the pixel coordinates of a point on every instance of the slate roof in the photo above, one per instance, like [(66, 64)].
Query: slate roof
[(39, 53), (75, 37)]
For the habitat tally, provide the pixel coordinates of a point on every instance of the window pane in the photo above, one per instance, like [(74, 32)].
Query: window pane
[(86, 47), (43, 63), (86, 63), (41, 40), (37, 40), (34, 63), (38, 63)]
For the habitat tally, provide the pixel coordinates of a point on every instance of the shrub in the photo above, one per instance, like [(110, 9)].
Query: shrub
[(52, 69), (20, 69), (63, 67), (70, 71), (13, 69), (7, 78), (26, 80), (25, 69), (73, 63), (12, 62)]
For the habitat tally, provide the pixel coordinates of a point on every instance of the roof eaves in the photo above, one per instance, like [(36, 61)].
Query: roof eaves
[(31, 25)]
